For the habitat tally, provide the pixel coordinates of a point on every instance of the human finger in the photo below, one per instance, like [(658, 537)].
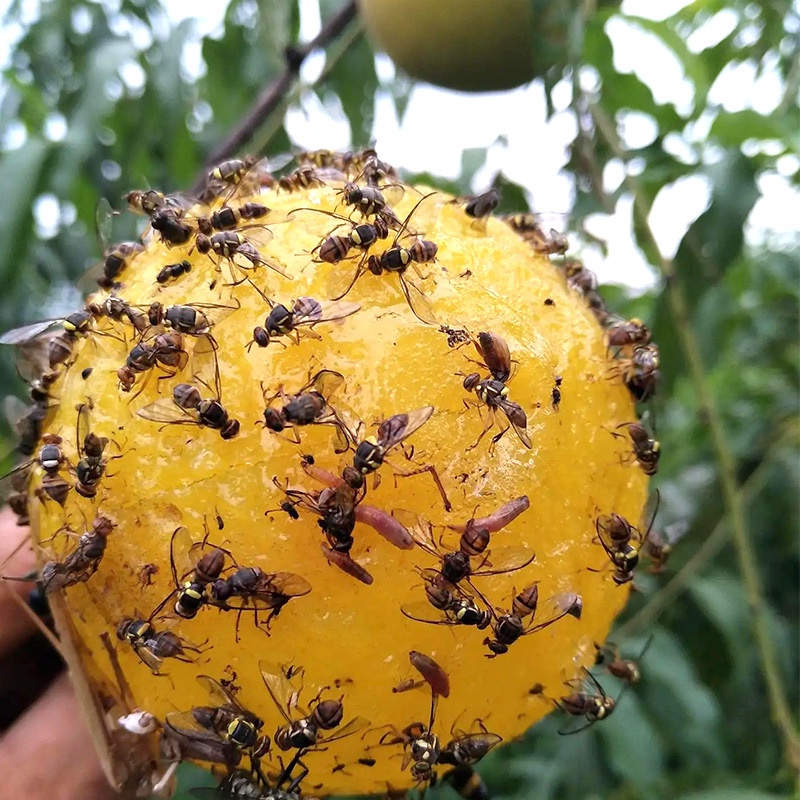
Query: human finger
[(48, 753), (16, 556)]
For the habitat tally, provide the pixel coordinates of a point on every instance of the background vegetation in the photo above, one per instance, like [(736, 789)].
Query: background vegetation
[(96, 98)]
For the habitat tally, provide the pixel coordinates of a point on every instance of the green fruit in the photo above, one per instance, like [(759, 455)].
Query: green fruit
[(471, 45)]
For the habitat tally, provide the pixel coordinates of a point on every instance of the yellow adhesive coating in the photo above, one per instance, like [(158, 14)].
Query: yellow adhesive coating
[(350, 637)]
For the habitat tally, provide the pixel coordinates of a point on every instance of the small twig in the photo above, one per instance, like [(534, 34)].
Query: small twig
[(273, 95), (748, 564), (332, 58)]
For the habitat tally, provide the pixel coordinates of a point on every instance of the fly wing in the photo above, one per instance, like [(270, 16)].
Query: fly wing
[(308, 311), (287, 584), (149, 658), (505, 559), (167, 411), (326, 382), (651, 511), (28, 333), (417, 301), (34, 359), (396, 429), (83, 426), (420, 529), (343, 277), (423, 611), (205, 364), (493, 349), (603, 525), (182, 554), (280, 688), (219, 694), (516, 416), (353, 726), (272, 591), (555, 608), (306, 500)]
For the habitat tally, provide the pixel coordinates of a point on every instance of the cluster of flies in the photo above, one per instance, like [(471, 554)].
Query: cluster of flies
[(204, 575)]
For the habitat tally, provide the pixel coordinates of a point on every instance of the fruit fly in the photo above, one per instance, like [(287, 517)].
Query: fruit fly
[(229, 177), (304, 177), (646, 450), (421, 745), (194, 567), (371, 452), (76, 326), (171, 272), (50, 459), (183, 739), (522, 619), (152, 646), (658, 547), (384, 523), (229, 244), (467, 783), (80, 564), (165, 352), (335, 248), (221, 733), (241, 785), (118, 309), (321, 725), (191, 319), (310, 406), (467, 749), (493, 392), (397, 259), (306, 313), (621, 333), (187, 405), (339, 507), (250, 588), (622, 542), (228, 218), (456, 565), (230, 720), (555, 392), (172, 227), (530, 228), (626, 669), (481, 205), (588, 701), (91, 465), (115, 260), (641, 372), (366, 200), (446, 605)]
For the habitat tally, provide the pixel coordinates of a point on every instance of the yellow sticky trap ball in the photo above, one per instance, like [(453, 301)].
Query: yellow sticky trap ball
[(239, 567)]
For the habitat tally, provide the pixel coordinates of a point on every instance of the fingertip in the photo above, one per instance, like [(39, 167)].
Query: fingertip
[(16, 560), (48, 752)]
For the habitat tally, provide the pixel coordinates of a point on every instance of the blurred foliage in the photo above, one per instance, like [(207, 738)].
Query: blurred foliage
[(105, 96)]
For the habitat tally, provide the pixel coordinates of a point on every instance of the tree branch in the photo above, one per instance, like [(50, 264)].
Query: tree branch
[(271, 98)]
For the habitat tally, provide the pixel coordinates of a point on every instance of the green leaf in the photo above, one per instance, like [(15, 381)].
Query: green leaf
[(632, 743), (693, 66), (21, 174), (731, 128), (711, 246), (354, 81), (730, 794)]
